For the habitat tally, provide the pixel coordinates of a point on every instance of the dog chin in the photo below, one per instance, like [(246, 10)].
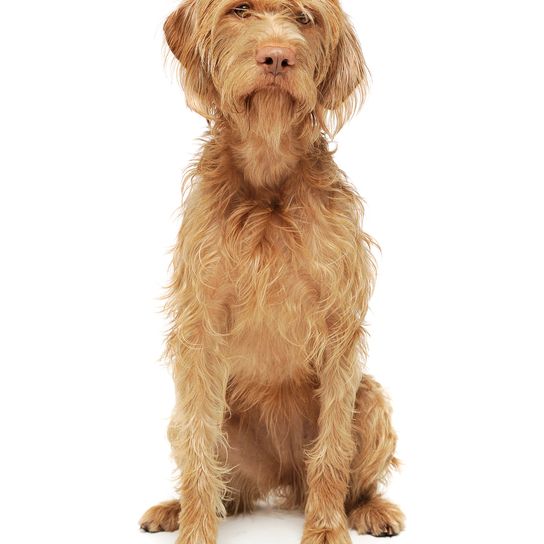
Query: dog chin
[(272, 91)]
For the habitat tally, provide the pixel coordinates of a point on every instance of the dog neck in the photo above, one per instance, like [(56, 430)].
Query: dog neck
[(269, 139)]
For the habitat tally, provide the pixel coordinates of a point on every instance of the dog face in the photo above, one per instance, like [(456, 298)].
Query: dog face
[(302, 54)]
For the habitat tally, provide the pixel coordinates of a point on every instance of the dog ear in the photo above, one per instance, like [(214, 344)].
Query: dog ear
[(181, 32), (344, 87)]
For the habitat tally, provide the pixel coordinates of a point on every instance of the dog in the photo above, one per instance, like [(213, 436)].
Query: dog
[(272, 274)]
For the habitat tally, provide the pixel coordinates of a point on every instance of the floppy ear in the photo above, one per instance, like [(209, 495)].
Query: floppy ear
[(344, 87), (181, 32)]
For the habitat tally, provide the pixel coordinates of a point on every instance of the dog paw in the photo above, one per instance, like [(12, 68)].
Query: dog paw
[(377, 517), (163, 517), (326, 536)]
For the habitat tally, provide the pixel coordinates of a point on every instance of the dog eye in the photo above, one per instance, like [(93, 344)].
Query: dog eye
[(304, 19), (242, 10)]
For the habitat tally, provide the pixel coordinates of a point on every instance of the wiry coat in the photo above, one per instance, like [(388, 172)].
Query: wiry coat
[(272, 274)]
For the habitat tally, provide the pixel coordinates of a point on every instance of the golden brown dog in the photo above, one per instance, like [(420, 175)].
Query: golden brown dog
[(272, 276)]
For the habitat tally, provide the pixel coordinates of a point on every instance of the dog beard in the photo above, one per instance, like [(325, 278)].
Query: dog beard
[(271, 113)]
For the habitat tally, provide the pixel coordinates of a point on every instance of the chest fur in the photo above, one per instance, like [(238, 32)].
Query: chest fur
[(277, 273), (272, 286)]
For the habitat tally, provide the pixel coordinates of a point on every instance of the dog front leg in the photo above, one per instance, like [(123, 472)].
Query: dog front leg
[(328, 461), (195, 434)]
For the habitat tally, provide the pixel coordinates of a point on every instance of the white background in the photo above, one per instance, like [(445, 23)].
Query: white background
[(448, 153)]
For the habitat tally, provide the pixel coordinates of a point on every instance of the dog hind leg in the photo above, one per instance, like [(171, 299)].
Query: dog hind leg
[(368, 512)]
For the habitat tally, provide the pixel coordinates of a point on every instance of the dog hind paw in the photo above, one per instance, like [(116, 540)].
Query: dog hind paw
[(377, 517), (162, 517)]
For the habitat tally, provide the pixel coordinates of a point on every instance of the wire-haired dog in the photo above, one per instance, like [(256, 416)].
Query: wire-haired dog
[(272, 273)]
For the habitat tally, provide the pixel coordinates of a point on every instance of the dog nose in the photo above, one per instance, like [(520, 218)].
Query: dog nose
[(275, 60)]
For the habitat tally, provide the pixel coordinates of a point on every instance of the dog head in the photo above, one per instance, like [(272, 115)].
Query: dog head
[(302, 54)]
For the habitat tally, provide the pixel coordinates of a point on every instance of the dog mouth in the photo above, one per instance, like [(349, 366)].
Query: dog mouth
[(273, 88), (272, 91), (273, 80), (274, 84)]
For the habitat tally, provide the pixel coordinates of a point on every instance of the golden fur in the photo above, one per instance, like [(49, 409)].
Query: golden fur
[(272, 274)]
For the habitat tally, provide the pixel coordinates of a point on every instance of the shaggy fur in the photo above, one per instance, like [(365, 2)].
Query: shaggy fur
[(272, 274)]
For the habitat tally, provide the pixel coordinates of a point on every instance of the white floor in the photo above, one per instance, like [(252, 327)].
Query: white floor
[(265, 526)]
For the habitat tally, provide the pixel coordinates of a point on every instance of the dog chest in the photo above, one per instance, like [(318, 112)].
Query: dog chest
[(276, 318)]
